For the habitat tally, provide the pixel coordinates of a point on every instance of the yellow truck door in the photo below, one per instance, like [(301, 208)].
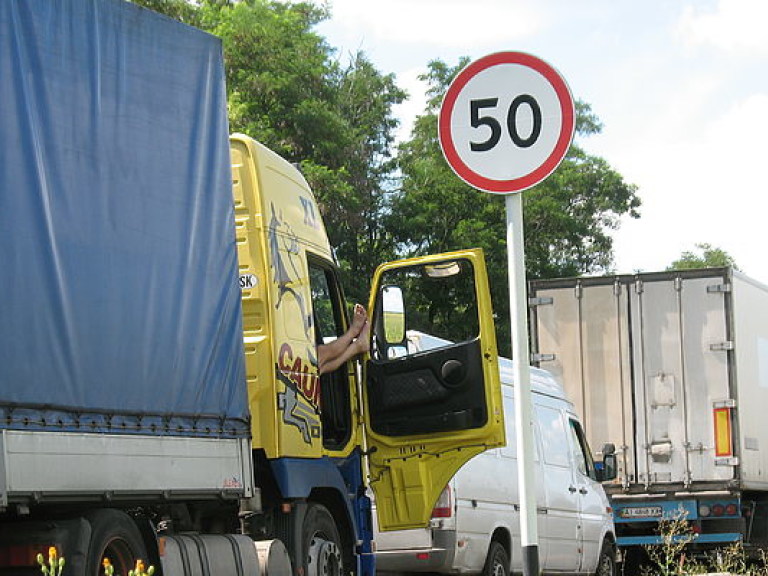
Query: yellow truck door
[(432, 392)]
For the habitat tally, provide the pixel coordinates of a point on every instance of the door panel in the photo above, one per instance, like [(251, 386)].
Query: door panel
[(592, 504), (562, 531), (429, 410), (706, 373)]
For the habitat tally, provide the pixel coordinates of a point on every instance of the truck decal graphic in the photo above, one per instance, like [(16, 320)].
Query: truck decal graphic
[(300, 401), (283, 277), (309, 213)]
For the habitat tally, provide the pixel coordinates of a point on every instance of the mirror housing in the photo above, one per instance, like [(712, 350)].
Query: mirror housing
[(609, 469)]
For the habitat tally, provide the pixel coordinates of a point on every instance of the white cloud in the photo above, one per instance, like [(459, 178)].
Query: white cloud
[(706, 185), (734, 25), (440, 22), (414, 105)]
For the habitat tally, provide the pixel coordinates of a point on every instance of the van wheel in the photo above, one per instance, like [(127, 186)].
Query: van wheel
[(114, 535), (606, 563), (497, 562)]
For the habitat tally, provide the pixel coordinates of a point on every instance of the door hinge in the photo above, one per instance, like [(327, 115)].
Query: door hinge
[(727, 461), (719, 288), (728, 403), (536, 358), (541, 301), (725, 346)]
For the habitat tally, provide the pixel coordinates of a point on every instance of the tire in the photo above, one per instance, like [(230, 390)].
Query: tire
[(114, 535), (497, 561), (321, 544), (606, 562)]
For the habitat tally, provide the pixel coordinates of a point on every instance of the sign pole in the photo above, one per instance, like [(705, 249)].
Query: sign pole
[(505, 125), (518, 310)]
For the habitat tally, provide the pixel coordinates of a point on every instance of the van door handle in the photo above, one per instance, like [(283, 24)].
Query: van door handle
[(571, 489), (582, 490)]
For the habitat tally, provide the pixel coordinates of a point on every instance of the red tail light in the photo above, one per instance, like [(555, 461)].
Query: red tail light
[(443, 508)]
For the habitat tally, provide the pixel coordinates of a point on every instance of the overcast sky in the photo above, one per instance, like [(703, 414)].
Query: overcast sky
[(681, 87)]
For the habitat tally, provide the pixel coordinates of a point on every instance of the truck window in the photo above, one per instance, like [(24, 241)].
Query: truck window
[(438, 301), (426, 372), (327, 313)]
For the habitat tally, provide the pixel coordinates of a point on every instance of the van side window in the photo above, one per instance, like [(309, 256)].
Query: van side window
[(554, 437), (582, 453), (509, 450)]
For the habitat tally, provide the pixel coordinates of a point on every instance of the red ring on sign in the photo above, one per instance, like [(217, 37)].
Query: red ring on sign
[(550, 163)]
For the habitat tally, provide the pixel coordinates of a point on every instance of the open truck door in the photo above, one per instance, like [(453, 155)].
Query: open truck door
[(428, 411)]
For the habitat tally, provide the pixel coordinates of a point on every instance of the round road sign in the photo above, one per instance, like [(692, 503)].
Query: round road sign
[(506, 122)]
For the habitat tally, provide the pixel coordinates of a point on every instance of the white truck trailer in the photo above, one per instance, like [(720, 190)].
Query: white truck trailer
[(671, 370)]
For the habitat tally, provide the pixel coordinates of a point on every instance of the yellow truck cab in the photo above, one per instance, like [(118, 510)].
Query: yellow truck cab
[(406, 421)]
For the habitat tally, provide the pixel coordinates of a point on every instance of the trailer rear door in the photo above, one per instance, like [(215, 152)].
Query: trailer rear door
[(681, 378)]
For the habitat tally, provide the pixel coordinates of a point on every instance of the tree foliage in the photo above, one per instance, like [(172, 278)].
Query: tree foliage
[(705, 256)]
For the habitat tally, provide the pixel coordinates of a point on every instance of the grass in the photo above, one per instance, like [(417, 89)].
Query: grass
[(673, 558), (55, 565)]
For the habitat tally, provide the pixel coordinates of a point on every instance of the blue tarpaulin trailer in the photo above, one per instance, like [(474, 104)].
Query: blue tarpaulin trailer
[(118, 267)]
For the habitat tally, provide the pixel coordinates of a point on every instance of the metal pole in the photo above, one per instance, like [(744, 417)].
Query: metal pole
[(518, 309)]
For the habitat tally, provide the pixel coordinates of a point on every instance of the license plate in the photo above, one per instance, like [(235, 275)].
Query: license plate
[(641, 512)]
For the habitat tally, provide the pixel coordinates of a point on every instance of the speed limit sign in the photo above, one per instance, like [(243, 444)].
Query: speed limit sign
[(506, 122)]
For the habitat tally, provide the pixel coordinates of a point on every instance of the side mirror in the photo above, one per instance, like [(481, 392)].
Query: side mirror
[(393, 313), (609, 469)]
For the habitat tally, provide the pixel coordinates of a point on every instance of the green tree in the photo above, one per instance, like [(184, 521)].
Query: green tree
[(704, 256), (567, 218)]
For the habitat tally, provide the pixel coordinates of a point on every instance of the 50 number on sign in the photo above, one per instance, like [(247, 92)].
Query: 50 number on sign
[(476, 120)]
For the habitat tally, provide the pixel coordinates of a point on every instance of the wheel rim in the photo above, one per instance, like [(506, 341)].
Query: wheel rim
[(606, 566), (498, 569), (324, 558), (120, 556)]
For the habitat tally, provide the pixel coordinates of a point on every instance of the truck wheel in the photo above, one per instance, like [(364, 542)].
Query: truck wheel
[(606, 563), (114, 535), (497, 562), (321, 543)]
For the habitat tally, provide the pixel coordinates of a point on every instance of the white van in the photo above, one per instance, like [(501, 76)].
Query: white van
[(475, 526)]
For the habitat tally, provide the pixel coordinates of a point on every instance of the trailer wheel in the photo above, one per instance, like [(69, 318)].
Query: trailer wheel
[(321, 544), (497, 562), (114, 535), (606, 563)]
